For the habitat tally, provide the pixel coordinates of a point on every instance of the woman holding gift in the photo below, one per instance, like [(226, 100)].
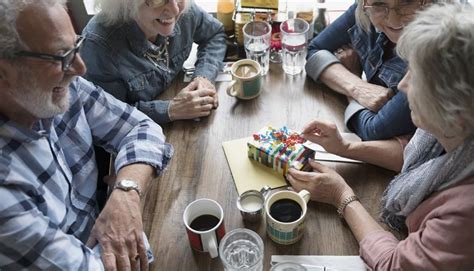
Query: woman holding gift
[(431, 198), (363, 39), (135, 49)]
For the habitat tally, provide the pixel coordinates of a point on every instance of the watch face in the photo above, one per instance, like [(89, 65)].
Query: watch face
[(128, 183)]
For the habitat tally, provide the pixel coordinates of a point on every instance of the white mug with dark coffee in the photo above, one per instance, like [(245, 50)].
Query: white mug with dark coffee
[(204, 221), (285, 214)]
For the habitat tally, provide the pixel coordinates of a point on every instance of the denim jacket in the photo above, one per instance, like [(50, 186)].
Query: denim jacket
[(115, 58), (394, 117)]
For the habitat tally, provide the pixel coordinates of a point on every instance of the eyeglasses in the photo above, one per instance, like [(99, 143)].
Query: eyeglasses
[(160, 3), (66, 59), (381, 11)]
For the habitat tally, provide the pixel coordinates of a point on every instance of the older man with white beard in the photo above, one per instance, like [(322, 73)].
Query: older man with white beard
[(50, 119)]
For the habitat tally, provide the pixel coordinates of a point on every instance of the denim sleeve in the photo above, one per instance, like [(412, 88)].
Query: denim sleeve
[(393, 119), (103, 70), (157, 110), (320, 49), (210, 38)]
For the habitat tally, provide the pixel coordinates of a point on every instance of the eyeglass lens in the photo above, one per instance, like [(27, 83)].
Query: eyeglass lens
[(402, 9)]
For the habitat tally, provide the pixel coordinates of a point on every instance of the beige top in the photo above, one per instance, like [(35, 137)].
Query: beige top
[(440, 235)]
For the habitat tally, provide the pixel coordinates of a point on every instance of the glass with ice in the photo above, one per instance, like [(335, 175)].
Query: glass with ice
[(294, 45), (257, 43), (241, 249)]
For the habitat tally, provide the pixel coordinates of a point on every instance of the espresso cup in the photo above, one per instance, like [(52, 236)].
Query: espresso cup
[(204, 221), (246, 79), (285, 213)]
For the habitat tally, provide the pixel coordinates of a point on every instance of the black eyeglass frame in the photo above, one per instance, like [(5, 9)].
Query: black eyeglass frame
[(147, 2), (66, 59), (421, 3)]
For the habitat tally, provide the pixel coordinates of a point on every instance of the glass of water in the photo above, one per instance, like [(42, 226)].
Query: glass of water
[(257, 43), (241, 249), (294, 45)]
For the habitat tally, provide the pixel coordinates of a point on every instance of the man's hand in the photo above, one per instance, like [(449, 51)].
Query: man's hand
[(192, 102), (204, 83), (371, 96), (326, 135), (119, 230)]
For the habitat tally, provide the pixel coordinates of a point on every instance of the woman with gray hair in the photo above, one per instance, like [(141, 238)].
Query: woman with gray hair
[(134, 49), (431, 198), (363, 40)]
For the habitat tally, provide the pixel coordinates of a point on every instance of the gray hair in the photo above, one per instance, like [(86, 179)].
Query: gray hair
[(362, 19), (10, 41), (439, 46), (122, 11)]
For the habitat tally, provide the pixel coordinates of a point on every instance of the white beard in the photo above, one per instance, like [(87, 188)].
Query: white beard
[(37, 102)]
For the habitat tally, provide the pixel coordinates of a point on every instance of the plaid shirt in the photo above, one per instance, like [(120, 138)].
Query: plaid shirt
[(48, 177)]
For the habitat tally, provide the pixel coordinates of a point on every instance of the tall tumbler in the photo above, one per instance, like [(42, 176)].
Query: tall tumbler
[(294, 45), (257, 43), (242, 250)]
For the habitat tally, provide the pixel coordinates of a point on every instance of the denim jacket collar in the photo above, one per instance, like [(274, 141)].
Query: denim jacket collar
[(137, 40)]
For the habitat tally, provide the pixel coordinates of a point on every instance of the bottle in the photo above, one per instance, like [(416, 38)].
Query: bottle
[(321, 21), (225, 10)]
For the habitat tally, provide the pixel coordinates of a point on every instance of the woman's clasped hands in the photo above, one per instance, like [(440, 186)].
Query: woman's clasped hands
[(196, 100)]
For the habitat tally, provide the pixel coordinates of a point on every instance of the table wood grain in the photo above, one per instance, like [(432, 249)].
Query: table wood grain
[(199, 169)]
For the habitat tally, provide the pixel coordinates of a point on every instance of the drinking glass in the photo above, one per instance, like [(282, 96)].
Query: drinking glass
[(257, 43), (294, 45), (241, 249)]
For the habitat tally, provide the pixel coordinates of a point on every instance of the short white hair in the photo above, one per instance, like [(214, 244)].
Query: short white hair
[(122, 11), (439, 47), (10, 41)]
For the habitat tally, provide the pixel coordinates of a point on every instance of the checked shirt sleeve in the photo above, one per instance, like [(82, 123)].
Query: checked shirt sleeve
[(125, 131)]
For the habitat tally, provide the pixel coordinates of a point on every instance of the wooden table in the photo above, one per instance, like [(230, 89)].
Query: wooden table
[(199, 169)]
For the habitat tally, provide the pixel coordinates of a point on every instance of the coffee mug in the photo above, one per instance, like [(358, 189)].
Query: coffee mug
[(246, 79), (285, 214), (204, 221)]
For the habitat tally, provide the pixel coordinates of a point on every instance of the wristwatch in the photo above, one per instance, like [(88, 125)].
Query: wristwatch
[(127, 185)]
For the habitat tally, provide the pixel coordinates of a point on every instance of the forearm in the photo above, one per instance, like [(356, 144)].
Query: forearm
[(384, 153), (359, 220), (139, 172), (340, 79)]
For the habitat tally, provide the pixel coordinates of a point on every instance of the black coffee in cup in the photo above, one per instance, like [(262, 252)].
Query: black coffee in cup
[(286, 210), (204, 222)]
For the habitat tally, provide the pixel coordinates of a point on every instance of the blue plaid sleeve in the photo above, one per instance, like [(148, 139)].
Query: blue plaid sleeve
[(30, 240), (123, 130)]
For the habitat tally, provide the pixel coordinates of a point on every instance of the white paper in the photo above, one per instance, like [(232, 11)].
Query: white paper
[(322, 155), (321, 263)]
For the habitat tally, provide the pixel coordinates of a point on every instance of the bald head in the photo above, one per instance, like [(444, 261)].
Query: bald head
[(10, 10), (43, 28)]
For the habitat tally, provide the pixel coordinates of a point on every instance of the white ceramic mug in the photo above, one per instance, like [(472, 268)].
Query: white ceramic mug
[(245, 84), (286, 232), (204, 221)]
